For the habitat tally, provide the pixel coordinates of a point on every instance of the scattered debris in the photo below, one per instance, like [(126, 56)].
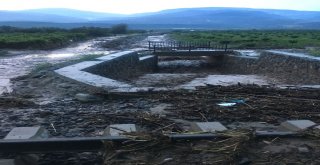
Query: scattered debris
[(83, 97), (207, 127), (119, 129), (223, 104)]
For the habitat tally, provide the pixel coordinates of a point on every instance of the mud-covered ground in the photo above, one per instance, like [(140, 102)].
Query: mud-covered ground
[(44, 98), (26, 106)]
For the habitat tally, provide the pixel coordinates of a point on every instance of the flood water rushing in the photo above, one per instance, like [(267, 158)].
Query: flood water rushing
[(22, 62)]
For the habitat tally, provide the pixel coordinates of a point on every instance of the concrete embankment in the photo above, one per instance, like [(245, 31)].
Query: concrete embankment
[(293, 68)]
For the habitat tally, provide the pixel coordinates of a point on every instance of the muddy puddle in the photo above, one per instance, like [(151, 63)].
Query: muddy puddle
[(227, 80)]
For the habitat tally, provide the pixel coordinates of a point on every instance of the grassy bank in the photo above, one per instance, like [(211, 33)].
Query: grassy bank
[(254, 39), (51, 38)]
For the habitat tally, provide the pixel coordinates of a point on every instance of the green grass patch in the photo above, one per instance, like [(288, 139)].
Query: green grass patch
[(314, 52), (253, 39), (51, 38)]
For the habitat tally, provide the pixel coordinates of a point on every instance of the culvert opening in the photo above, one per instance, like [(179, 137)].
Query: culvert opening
[(190, 72), (150, 72)]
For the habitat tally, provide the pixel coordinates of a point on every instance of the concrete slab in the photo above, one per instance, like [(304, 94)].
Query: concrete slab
[(115, 55), (27, 133), (207, 127), (119, 129), (7, 162), (91, 79), (301, 55), (75, 72), (296, 125)]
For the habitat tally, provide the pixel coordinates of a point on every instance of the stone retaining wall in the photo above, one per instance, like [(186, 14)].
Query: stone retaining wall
[(123, 66), (148, 63), (287, 67), (239, 65)]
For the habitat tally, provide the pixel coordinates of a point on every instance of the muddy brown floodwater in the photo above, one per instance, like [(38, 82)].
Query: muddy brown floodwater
[(20, 63)]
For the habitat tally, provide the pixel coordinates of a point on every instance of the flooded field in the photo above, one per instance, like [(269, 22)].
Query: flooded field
[(22, 62), (201, 93)]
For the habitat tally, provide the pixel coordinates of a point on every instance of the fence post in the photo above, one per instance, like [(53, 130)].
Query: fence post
[(154, 48), (226, 47), (149, 45)]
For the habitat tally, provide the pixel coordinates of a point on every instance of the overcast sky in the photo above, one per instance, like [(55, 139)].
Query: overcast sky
[(138, 6)]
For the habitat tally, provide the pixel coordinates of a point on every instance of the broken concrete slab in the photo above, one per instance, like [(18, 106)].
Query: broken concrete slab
[(296, 125), (119, 129), (27, 133), (207, 127)]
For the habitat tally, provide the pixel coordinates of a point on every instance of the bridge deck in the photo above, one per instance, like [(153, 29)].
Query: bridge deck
[(188, 48), (192, 53)]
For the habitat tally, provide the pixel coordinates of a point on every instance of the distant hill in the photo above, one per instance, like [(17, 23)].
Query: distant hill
[(195, 18), (84, 15)]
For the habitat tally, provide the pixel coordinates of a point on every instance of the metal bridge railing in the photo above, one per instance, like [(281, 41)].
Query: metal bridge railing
[(186, 46)]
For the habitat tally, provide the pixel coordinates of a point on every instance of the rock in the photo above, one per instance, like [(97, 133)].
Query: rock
[(276, 149), (303, 149), (86, 97), (44, 114), (166, 160), (39, 74), (13, 117), (245, 161), (76, 131), (118, 129), (64, 85), (160, 109), (29, 159)]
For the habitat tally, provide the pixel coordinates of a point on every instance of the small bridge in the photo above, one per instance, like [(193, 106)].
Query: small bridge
[(188, 48)]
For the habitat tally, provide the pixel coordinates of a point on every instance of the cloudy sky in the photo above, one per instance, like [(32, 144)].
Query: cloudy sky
[(138, 6)]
